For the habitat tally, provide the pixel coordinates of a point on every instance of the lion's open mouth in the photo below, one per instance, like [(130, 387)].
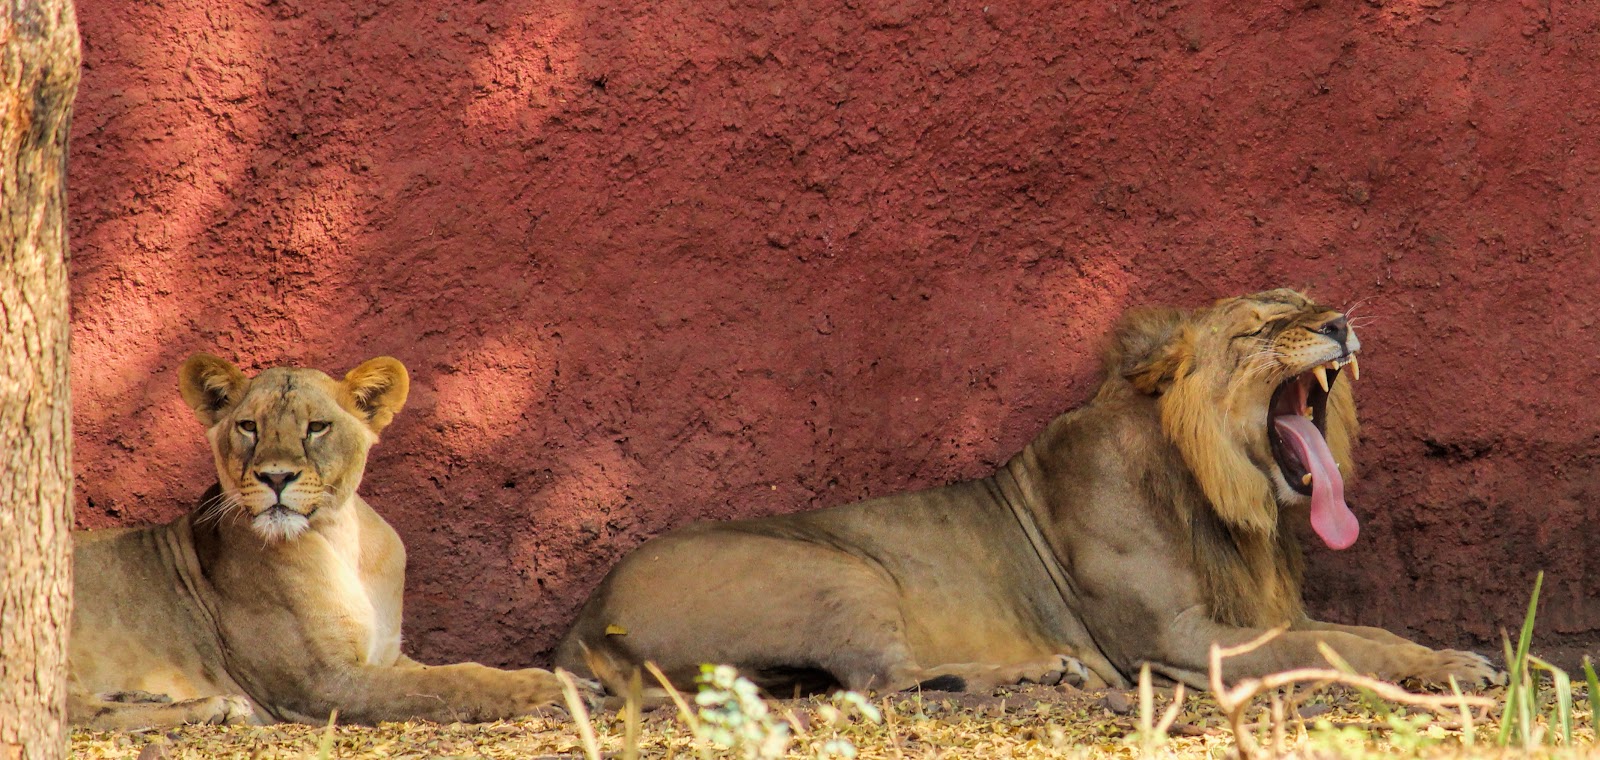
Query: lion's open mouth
[(1297, 428), (1300, 396)]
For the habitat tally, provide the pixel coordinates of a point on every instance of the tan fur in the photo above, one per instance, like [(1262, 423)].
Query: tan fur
[(1141, 528), (279, 596)]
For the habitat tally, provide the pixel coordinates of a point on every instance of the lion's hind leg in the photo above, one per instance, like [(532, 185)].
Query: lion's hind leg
[(128, 710)]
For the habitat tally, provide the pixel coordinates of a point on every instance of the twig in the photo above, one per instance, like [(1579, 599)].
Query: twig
[(633, 716), (1277, 722), (1234, 701), (1171, 715), (580, 714), (1469, 735), (891, 728), (677, 698), (684, 712)]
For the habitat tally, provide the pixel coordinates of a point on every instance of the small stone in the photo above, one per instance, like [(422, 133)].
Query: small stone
[(1313, 710), (1117, 702)]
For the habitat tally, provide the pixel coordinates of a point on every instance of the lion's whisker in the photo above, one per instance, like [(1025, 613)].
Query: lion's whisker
[(1350, 310)]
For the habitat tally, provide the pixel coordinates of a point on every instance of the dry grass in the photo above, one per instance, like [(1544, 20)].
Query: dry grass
[(1030, 722), (1308, 713)]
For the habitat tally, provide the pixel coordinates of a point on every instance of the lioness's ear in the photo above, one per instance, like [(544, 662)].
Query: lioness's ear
[(378, 389), (1150, 348), (210, 385)]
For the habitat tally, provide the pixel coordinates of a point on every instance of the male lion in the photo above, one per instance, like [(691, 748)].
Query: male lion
[(1141, 528), (278, 597)]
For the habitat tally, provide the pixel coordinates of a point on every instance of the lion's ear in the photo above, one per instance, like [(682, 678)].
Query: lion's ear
[(1150, 347), (377, 389), (210, 386)]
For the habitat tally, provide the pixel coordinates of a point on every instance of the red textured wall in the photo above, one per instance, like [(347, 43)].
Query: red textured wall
[(656, 261)]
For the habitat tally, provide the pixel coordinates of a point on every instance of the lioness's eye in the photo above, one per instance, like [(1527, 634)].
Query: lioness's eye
[(248, 426), (316, 427)]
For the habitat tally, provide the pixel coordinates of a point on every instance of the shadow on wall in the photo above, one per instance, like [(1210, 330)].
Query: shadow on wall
[(656, 262)]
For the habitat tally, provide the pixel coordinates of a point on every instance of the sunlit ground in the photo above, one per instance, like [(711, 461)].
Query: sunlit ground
[(1037, 721)]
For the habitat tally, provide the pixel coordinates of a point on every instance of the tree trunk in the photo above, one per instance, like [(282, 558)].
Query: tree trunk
[(38, 79)]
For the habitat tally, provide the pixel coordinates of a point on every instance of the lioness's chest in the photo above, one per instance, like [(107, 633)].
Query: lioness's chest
[(366, 595)]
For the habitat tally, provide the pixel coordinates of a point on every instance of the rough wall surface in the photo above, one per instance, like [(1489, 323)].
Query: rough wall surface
[(657, 261)]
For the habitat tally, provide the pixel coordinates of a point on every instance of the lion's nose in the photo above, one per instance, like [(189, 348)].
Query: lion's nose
[(1337, 328), (277, 481)]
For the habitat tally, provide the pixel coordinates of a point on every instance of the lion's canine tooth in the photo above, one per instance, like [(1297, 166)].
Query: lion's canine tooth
[(1322, 376), (1305, 479), (1355, 369)]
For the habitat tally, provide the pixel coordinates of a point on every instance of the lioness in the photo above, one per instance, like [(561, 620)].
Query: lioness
[(1143, 527), (278, 597)]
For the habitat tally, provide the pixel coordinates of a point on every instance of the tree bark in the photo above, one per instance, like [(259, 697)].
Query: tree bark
[(38, 79)]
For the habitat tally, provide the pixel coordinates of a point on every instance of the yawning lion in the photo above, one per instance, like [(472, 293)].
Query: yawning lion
[(1143, 527)]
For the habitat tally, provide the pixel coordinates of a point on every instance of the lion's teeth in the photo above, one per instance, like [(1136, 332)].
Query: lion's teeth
[(1305, 479), (1322, 376), (1307, 413), (1355, 369)]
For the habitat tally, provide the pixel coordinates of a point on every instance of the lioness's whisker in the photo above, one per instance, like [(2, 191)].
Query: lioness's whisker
[(213, 509)]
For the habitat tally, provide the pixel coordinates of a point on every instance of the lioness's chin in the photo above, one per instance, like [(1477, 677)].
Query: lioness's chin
[(279, 523)]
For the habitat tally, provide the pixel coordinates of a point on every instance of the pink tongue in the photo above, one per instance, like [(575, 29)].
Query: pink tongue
[(1331, 518)]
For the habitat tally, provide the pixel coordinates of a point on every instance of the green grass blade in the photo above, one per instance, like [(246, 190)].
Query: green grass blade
[(1508, 711), (1561, 719), (1594, 696), (1564, 704), (1526, 639), (1525, 711), (1531, 700), (325, 745), (1521, 691)]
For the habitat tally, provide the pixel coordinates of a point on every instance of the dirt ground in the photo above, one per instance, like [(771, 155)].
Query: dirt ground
[(1032, 722)]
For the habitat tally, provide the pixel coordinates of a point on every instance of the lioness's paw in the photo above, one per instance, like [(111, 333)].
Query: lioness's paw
[(135, 697), (1470, 669), (590, 691), (545, 694)]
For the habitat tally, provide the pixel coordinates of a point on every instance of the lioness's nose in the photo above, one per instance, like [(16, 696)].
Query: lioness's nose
[(277, 481), (1337, 328)]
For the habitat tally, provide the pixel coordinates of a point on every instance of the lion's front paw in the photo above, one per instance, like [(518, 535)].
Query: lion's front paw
[(216, 711), (1069, 671), (1434, 667), (1051, 671)]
